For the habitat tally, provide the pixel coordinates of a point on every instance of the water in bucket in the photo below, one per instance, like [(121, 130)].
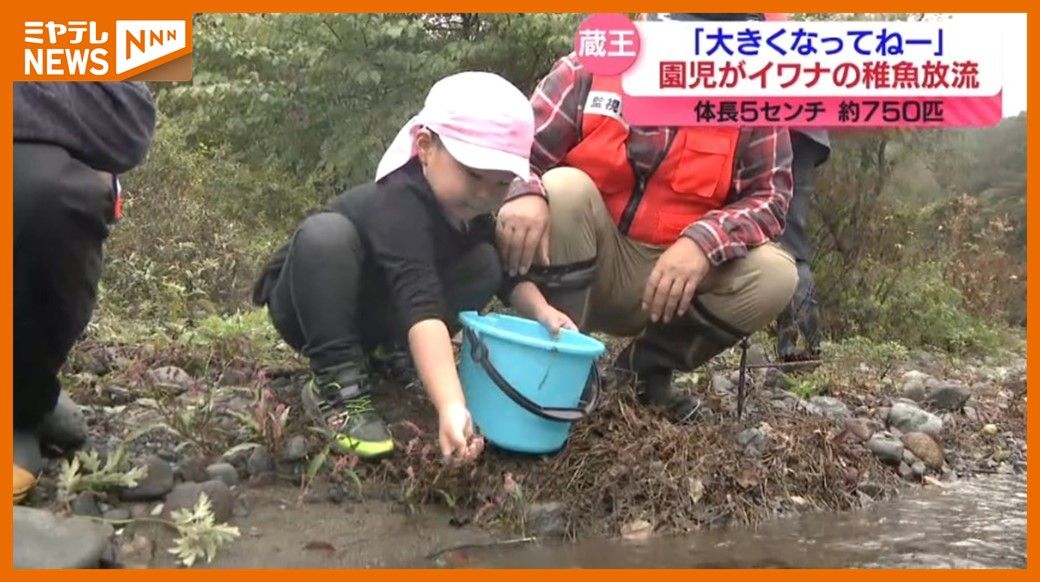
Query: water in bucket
[(524, 387)]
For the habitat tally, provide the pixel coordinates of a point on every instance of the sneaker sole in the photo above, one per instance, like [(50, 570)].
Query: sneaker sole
[(342, 443)]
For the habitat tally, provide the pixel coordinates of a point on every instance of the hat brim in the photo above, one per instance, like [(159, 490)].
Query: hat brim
[(482, 158)]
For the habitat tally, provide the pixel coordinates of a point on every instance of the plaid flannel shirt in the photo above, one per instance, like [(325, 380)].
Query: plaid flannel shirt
[(762, 185)]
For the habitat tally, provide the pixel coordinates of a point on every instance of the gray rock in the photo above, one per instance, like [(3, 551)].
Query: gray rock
[(547, 520), (139, 510), (336, 494), (64, 427), (883, 412), (295, 449), (831, 407), (905, 471), (86, 504), (915, 376), (909, 418), (720, 383), (919, 469), (914, 390), (44, 540), (172, 378), (260, 461), (753, 440), (156, 483), (972, 414), (193, 469), (186, 495), (222, 472), (909, 457), (886, 447), (925, 448), (861, 428), (117, 514), (756, 356), (137, 553), (117, 394), (775, 380), (871, 488), (949, 396)]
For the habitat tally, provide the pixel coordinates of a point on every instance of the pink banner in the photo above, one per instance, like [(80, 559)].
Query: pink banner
[(832, 112)]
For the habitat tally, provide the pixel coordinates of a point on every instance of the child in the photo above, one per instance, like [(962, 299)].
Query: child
[(397, 259)]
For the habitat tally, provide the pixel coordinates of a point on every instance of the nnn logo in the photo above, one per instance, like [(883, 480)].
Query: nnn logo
[(139, 42)]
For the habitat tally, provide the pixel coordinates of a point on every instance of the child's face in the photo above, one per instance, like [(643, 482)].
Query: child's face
[(463, 191)]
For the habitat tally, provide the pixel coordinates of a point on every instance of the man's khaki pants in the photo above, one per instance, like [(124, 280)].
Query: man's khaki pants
[(733, 300)]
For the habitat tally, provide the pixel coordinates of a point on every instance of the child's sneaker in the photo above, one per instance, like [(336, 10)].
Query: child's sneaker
[(338, 401)]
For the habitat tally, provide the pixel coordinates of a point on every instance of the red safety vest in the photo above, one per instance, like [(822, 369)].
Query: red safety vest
[(694, 177)]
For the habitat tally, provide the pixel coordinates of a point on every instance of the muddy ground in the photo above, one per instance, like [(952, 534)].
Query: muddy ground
[(825, 439)]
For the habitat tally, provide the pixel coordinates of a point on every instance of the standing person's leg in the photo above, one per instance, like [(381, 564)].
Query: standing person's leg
[(583, 243), (802, 313), (62, 210), (314, 306), (734, 300)]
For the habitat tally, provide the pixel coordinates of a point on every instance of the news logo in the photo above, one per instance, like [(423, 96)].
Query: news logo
[(80, 50)]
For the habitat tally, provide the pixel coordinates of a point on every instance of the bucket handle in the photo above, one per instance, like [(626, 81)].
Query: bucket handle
[(480, 354)]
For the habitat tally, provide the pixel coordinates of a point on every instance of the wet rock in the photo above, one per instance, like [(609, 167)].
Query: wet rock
[(158, 482), (136, 554), (295, 449), (260, 461), (86, 504), (909, 418), (547, 520), (117, 514), (639, 529), (886, 447), (44, 540), (861, 428), (222, 472), (186, 495), (925, 448), (193, 469), (720, 383), (831, 407), (171, 378), (64, 427), (871, 488), (948, 396)]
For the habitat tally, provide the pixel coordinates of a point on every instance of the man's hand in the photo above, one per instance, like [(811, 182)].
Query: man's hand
[(458, 442), (674, 280), (523, 233)]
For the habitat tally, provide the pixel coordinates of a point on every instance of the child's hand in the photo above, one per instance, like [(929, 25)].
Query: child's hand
[(458, 442), (554, 320)]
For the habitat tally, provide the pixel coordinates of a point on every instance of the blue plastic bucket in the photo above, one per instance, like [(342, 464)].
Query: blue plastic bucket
[(524, 387)]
